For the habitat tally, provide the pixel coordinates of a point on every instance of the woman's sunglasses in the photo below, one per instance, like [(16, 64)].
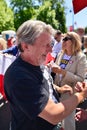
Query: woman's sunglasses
[(67, 38)]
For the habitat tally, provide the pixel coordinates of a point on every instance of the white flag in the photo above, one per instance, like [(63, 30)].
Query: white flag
[(5, 61)]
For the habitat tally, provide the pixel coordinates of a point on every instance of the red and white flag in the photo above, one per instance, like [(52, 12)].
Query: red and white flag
[(79, 5), (5, 61)]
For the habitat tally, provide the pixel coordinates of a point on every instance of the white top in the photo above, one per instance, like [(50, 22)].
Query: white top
[(56, 49)]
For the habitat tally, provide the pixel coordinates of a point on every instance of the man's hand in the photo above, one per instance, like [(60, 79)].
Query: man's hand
[(64, 89)]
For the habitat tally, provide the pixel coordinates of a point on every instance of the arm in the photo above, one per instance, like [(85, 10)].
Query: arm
[(12, 50), (55, 113), (73, 74)]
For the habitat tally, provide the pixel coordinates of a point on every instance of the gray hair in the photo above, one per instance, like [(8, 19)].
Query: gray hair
[(30, 30)]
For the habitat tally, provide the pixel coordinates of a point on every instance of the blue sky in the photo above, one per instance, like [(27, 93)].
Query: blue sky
[(80, 18)]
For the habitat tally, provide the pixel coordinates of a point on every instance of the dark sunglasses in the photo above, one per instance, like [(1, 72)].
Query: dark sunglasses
[(67, 38)]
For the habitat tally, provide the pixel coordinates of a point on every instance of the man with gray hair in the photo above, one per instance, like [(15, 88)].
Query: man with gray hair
[(28, 87)]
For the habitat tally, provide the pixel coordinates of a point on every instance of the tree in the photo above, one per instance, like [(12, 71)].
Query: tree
[(23, 15), (60, 16), (23, 10), (6, 17), (52, 12), (46, 14), (47, 11)]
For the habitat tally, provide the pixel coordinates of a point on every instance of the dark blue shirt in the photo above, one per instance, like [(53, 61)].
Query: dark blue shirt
[(27, 92), (12, 50)]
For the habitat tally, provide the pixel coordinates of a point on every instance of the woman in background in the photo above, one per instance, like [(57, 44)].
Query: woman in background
[(70, 67)]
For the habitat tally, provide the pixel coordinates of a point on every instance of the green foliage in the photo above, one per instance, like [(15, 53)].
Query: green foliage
[(22, 16), (6, 17), (46, 14), (51, 12), (23, 10), (20, 4), (60, 16)]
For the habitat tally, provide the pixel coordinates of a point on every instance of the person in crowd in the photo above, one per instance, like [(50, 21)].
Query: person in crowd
[(85, 45), (3, 44), (28, 86), (11, 41), (81, 113), (12, 50), (71, 65), (81, 32), (58, 45), (56, 48)]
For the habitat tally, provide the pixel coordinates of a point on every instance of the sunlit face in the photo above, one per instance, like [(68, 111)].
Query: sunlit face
[(40, 48), (58, 37), (66, 43)]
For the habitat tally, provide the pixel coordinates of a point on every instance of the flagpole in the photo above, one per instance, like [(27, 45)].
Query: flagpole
[(73, 18), (72, 15)]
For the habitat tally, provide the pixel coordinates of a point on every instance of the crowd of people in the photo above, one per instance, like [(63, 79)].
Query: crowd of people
[(45, 83)]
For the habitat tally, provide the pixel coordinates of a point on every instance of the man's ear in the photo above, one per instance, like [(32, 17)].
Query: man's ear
[(24, 46)]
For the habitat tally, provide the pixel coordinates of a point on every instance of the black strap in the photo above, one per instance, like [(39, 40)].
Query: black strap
[(56, 94)]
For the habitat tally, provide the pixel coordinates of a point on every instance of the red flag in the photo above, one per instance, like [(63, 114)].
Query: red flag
[(49, 58), (5, 61), (79, 5), (71, 28)]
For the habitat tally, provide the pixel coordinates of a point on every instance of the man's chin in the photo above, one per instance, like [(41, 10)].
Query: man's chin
[(42, 62)]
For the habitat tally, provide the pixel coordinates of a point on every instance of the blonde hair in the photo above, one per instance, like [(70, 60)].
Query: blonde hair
[(77, 44), (3, 42)]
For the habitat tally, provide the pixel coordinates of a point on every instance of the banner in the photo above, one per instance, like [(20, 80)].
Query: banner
[(49, 58), (79, 5), (5, 61)]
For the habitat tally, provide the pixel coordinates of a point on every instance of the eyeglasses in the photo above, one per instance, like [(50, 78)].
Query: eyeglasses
[(67, 38)]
